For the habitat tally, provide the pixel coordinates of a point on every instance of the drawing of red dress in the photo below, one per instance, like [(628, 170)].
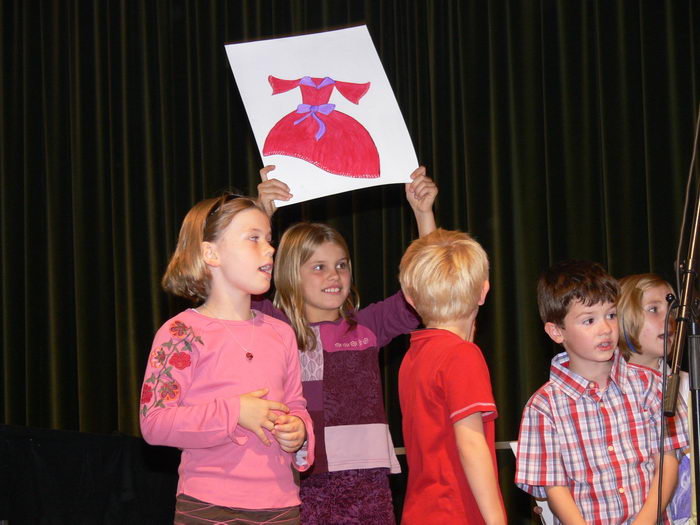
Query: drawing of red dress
[(317, 133)]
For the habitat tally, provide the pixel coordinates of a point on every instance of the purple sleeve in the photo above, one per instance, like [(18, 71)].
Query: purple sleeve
[(264, 305), (389, 318)]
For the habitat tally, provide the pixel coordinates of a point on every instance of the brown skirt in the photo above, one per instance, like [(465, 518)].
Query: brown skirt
[(191, 511)]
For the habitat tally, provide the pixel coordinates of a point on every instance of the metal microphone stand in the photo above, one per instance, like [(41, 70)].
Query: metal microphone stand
[(694, 372), (687, 330)]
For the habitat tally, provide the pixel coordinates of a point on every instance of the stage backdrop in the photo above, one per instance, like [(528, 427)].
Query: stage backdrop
[(553, 129)]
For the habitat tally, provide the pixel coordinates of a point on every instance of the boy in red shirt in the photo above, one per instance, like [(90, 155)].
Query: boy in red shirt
[(445, 389)]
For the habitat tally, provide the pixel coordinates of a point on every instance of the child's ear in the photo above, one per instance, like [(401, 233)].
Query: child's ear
[(409, 300), (554, 332), (484, 291), (210, 255)]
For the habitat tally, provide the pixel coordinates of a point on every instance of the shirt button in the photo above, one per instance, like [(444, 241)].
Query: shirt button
[(610, 448), (621, 490), (591, 385)]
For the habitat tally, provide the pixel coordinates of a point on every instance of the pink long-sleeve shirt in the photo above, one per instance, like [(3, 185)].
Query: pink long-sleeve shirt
[(197, 369)]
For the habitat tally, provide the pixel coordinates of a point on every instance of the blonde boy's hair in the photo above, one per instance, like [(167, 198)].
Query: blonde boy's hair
[(187, 275), (297, 245), (630, 310), (444, 273)]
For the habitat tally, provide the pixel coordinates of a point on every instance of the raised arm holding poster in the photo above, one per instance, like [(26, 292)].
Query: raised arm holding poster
[(323, 112)]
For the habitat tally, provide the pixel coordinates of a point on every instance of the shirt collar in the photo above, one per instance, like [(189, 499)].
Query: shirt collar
[(575, 385)]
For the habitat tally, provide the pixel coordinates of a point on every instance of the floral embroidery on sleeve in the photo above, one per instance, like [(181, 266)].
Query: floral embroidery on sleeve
[(176, 352), (180, 360)]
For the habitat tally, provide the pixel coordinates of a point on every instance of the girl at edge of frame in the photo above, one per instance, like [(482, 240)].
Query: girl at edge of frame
[(339, 345), (223, 381), (641, 314)]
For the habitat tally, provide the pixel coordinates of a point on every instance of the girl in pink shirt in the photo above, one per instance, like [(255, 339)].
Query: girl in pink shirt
[(223, 381)]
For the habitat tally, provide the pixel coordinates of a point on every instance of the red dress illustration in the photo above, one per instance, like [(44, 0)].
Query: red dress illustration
[(317, 133)]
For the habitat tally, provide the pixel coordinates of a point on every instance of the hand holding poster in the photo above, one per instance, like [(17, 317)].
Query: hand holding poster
[(323, 112)]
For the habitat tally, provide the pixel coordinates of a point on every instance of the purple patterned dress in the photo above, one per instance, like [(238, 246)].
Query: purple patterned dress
[(348, 483)]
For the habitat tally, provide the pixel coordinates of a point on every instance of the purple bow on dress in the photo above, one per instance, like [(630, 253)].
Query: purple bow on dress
[(324, 109)]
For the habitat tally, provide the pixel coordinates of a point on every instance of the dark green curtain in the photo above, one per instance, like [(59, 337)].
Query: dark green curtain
[(554, 129)]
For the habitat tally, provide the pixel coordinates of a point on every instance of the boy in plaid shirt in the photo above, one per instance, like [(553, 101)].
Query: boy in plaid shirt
[(589, 437)]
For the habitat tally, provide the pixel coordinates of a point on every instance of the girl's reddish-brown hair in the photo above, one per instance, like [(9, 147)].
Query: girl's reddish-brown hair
[(187, 275)]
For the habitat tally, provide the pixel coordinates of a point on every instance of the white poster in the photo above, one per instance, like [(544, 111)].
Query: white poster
[(323, 112)]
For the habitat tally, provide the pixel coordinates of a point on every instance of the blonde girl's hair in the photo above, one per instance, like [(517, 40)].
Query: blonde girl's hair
[(630, 309), (296, 247), (187, 275), (444, 273)]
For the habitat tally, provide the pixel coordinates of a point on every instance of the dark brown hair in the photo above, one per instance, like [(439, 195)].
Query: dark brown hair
[(568, 281)]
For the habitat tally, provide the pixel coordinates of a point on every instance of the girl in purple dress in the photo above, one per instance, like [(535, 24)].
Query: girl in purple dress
[(339, 345)]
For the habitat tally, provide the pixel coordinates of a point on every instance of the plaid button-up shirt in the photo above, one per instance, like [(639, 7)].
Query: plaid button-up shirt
[(600, 443)]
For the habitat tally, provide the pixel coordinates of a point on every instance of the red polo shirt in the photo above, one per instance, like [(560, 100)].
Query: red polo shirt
[(442, 380)]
